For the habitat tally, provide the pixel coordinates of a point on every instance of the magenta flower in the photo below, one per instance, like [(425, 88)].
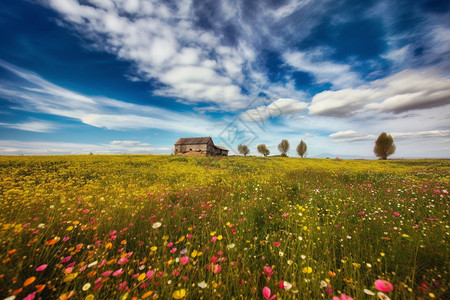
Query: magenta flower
[(184, 260), (383, 285), (267, 293), (41, 268), (66, 259), (118, 272), (268, 270), (343, 297)]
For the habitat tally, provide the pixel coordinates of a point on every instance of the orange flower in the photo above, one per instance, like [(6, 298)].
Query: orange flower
[(331, 273), (29, 281)]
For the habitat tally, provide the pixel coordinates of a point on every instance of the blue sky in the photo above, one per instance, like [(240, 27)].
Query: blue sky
[(132, 76)]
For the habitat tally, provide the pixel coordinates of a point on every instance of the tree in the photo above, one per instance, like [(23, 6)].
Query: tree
[(243, 149), (301, 148), (283, 147), (263, 149), (384, 146)]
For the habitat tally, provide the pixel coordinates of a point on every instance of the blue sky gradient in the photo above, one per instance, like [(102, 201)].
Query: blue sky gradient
[(113, 76)]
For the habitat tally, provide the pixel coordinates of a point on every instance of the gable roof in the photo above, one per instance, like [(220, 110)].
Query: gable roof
[(221, 148), (194, 141)]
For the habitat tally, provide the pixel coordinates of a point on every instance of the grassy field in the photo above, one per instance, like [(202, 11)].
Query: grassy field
[(147, 227)]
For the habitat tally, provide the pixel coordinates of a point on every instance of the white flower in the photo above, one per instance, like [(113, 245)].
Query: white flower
[(303, 256), (231, 246), (323, 284), (281, 253), (287, 285), (92, 264), (383, 296), (156, 225), (202, 284), (86, 287), (369, 292)]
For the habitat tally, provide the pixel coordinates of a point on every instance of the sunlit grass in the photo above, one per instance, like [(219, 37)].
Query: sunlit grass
[(112, 227)]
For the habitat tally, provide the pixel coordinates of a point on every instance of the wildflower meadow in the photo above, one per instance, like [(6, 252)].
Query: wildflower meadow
[(170, 227)]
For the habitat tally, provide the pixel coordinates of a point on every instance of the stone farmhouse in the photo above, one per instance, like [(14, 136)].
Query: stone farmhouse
[(199, 146)]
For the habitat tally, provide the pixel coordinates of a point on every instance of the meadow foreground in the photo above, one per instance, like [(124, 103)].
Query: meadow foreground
[(168, 227)]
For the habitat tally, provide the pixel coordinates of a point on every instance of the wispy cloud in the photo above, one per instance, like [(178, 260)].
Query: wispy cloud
[(282, 106), (14, 147), (33, 126), (35, 94), (324, 71)]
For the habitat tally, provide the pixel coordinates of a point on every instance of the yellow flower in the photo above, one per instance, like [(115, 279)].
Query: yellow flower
[(213, 233), (220, 237), (307, 270), (141, 277), (194, 253), (154, 248), (179, 294)]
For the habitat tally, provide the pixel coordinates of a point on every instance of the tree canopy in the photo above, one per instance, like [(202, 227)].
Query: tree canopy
[(283, 147), (263, 149), (302, 148), (384, 146), (243, 149)]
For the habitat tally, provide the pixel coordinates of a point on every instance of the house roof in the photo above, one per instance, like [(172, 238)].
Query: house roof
[(193, 141), (222, 148)]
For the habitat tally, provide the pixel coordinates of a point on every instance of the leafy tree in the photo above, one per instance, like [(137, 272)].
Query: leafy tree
[(263, 149), (384, 146), (243, 149), (302, 148), (283, 147)]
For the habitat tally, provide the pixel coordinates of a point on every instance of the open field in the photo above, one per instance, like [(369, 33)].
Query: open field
[(123, 227)]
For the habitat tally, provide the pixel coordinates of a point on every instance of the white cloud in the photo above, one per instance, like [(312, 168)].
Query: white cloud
[(33, 126), (35, 94), (339, 75), (13, 147), (350, 136), (164, 44), (421, 134), (405, 91), (282, 106)]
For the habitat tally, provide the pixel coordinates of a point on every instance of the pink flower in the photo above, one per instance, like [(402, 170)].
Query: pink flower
[(214, 259), (383, 285), (276, 244), (216, 269), (268, 270), (41, 268), (106, 273), (118, 272), (285, 215), (343, 297), (150, 274), (266, 293), (184, 260), (66, 259), (361, 213), (123, 260)]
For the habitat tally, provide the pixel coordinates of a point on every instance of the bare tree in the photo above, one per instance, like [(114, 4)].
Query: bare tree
[(384, 146), (283, 147), (263, 149), (302, 148), (243, 149)]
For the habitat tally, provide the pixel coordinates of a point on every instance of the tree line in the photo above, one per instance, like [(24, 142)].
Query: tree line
[(384, 147)]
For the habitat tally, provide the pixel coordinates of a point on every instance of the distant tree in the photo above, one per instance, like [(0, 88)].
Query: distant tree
[(283, 147), (263, 149), (243, 149), (302, 148), (384, 146)]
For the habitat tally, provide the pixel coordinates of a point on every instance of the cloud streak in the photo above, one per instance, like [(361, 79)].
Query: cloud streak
[(35, 94)]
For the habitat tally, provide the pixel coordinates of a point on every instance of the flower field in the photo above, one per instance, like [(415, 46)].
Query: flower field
[(168, 227)]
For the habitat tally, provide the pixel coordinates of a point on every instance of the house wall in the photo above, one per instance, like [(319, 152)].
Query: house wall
[(200, 150)]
